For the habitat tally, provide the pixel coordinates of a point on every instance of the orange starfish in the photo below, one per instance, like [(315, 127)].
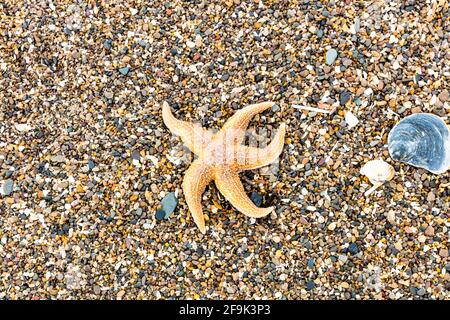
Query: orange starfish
[(221, 156)]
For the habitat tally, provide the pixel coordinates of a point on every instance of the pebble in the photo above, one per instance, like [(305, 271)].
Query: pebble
[(135, 155), (421, 292), (310, 285), (160, 215), (107, 44), (443, 253), (331, 56), (351, 119), (353, 248), (169, 203), (444, 95), (190, 44), (332, 226), (124, 70), (58, 158), (91, 164), (256, 198), (344, 97), (429, 231), (8, 187)]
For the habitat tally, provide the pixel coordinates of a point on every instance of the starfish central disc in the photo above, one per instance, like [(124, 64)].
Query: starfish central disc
[(221, 156)]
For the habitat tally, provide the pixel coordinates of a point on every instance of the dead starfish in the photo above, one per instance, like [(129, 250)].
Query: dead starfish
[(221, 156)]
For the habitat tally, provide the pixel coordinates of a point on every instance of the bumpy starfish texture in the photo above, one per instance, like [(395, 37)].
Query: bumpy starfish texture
[(221, 156)]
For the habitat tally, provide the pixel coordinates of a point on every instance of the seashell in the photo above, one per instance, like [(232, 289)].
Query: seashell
[(378, 171), (421, 140)]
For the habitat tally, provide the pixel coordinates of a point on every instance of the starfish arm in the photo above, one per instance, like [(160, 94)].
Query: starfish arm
[(253, 158), (235, 127), (196, 178), (229, 184), (193, 135)]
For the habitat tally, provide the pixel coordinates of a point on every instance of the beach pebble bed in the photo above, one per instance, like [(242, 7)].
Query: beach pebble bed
[(91, 205)]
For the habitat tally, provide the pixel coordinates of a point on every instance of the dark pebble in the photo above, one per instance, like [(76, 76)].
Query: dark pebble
[(107, 44), (256, 198), (353, 248), (135, 155), (310, 285), (160, 215), (344, 97)]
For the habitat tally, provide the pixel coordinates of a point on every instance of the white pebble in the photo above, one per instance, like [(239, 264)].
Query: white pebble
[(351, 119)]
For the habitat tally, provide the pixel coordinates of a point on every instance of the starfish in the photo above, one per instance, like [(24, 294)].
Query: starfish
[(220, 157)]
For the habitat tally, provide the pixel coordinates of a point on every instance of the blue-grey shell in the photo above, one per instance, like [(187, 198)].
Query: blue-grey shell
[(421, 140)]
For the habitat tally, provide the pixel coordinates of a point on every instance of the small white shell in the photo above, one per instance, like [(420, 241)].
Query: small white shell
[(378, 171)]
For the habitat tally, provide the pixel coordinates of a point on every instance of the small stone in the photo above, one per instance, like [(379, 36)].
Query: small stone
[(124, 70), (346, 62), (160, 214), (135, 155), (58, 158), (109, 95), (91, 164), (422, 238), (22, 127), (343, 258), (354, 29), (353, 248), (431, 197), (8, 187), (421, 292), (310, 285), (351, 119), (169, 202), (259, 78), (190, 44), (344, 97), (107, 44), (331, 56), (443, 253), (138, 212), (256, 198), (275, 108), (276, 239), (390, 216), (444, 95), (97, 290), (142, 43), (332, 226), (429, 231)]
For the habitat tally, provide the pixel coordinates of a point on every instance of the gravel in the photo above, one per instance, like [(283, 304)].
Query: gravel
[(82, 85)]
